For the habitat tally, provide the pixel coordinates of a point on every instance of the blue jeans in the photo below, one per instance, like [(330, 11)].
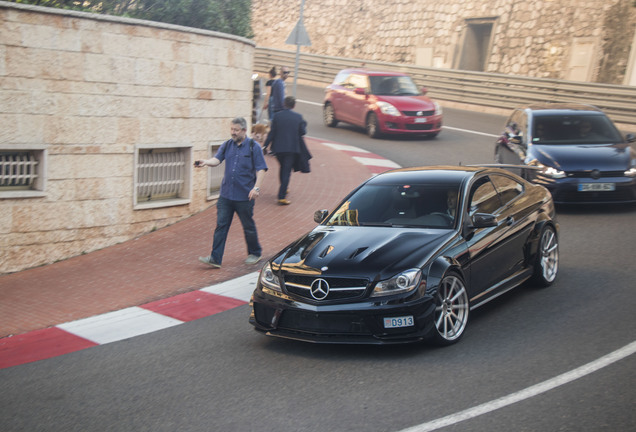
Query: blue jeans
[(225, 210)]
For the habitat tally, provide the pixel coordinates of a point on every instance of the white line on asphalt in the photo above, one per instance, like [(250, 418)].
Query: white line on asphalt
[(526, 393), (470, 131)]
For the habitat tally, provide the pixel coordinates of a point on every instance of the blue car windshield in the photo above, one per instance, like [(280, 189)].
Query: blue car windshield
[(415, 206), (573, 129), (393, 86)]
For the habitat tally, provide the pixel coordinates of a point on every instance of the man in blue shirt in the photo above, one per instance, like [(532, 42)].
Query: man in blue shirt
[(245, 168)]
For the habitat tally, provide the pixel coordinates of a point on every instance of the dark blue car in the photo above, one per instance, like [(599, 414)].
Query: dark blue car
[(575, 151)]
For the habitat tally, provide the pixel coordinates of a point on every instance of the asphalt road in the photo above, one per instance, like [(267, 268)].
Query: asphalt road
[(550, 359)]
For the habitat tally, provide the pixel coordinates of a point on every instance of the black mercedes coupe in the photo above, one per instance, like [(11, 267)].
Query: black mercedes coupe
[(407, 255)]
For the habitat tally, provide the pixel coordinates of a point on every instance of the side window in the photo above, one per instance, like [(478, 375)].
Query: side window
[(483, 197), (507, 188), (358, 81)]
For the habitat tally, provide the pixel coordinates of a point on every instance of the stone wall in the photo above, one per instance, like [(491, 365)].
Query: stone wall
[(91, 89), (529, 38)]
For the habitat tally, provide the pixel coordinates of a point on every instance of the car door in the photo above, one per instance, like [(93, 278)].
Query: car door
[(519, 217), (492, 253), (356, 104), (338, 94)]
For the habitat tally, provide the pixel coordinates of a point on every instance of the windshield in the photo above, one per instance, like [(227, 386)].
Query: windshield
[(393, 85), (417, 206), (573, 129)]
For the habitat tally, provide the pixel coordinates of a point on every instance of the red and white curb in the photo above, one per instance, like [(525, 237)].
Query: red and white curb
[(126, 323), (139, 320)]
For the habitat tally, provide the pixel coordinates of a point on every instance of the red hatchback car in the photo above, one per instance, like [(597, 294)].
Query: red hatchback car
[(382, 103)]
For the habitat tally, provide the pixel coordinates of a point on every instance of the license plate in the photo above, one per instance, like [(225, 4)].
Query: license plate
[(596, 187), (396, 322), (420, 120)]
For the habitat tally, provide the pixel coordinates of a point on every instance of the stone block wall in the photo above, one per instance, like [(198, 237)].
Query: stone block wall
[(529, 38), (90, 89)]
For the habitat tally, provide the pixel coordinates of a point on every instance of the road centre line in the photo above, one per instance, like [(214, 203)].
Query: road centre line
[(443, 127), (526, 393)]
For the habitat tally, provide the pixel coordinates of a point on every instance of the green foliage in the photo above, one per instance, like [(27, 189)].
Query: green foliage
[(227, 16)]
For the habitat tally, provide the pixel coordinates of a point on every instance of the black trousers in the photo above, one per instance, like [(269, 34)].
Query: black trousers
[(286, 161)]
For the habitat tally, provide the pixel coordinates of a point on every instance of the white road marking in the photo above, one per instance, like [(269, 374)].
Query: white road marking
[(118, 325), (240, 288), (526, 393), (376, 162)]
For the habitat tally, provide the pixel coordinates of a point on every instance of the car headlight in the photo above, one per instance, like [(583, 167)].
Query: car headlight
[(552, 172), (438, 108), (268, 279), (401, 283), (388, 109), (632, 171)]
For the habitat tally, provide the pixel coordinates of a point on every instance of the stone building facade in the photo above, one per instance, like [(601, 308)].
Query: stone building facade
[(581, 40), (90, 104)]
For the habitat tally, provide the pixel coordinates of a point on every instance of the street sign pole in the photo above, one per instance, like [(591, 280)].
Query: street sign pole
[(298, 37)]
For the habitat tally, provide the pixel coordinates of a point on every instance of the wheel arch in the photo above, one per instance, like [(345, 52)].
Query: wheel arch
[(440, 268)]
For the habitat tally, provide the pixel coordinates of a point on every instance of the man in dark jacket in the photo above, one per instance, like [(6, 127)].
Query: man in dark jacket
[(285, 135)]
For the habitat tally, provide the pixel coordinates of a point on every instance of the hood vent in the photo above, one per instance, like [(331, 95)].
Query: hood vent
[(326, 252), (357, 252)]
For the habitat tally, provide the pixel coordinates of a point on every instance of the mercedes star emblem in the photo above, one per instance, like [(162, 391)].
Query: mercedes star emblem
[(319, 289)]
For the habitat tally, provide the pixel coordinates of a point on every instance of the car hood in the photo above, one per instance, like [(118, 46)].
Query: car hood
[(361, 251), (603, 157), (409, 103)]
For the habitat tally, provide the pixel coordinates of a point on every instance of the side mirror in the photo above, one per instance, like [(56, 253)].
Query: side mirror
[(483, 220), (630, 137), (360, 91), (424, 90), (320, 215)]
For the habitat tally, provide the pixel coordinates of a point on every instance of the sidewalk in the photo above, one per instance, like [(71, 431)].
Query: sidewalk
[(164, 263)]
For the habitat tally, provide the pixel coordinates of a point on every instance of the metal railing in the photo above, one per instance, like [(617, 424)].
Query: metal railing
[(18, 170), (477, 88), (161, 174)]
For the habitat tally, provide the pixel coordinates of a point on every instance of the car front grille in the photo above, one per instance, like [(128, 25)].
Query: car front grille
[(415, 113), (601, 174), (322, 323), (417, 126), (339, 288)]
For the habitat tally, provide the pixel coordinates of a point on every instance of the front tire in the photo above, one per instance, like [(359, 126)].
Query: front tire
[(372, 126), (451, 311), (546, 265), (329, 116)]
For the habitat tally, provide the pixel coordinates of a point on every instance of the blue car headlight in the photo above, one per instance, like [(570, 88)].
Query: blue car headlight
[(552, 172), (388, 109), (268, 279), (400, 283)]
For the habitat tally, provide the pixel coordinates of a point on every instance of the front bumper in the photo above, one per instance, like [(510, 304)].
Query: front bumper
[(409, 125), (279, 315), (566, 190)]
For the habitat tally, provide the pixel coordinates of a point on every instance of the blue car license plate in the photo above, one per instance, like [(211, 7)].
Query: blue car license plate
[(596, 187), (397, 322)]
